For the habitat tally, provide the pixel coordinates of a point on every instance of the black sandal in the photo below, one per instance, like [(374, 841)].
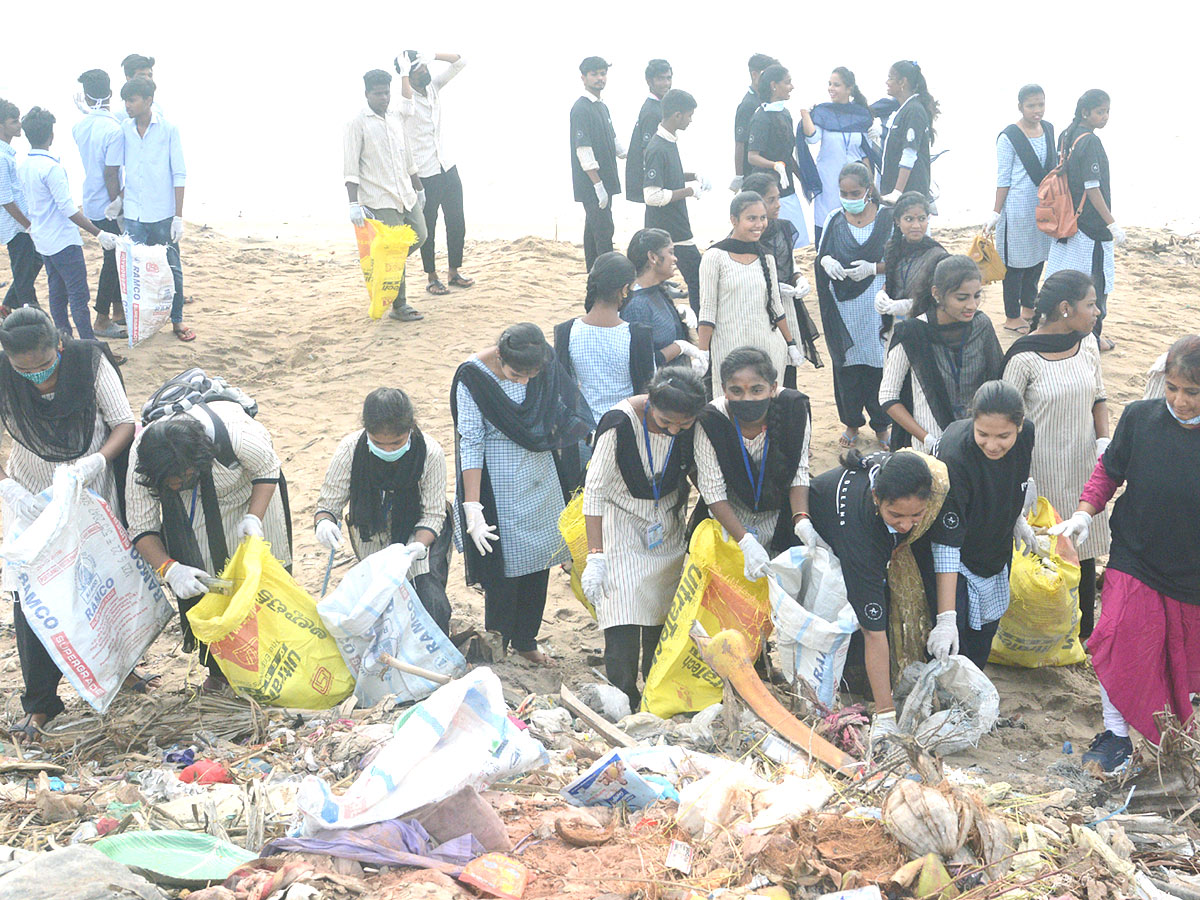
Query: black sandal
[(459, 282), (436, 287), (24, 731), (142, 683)]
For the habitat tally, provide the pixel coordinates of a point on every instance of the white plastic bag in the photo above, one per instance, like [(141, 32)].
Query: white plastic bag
[(89, 596), (970, 704), (375, 610), (812, 618), (459, 736), (147, 287)]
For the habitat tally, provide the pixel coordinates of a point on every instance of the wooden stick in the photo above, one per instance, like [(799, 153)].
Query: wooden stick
[(436, 677), (610, 732)]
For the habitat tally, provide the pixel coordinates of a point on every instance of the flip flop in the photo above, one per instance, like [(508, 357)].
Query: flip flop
[(459, 282), (846, 442), (113, 331), (142, 683), (24, 730), (185, 335), (405, 314), (1020, 329), (436, 287)]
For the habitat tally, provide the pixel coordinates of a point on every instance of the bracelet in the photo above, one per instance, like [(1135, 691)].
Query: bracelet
[(592, 550), (801, 515), (162, 570)]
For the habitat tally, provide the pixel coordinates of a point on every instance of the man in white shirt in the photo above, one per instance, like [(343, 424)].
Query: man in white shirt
[(380, 174), (54, 223), (422, 114), (14, 216), (98, 135)]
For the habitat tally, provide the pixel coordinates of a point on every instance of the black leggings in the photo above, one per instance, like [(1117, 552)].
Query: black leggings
[(1087, 598), (514, 607), (38, 669), (1020, 289), (621, 657)]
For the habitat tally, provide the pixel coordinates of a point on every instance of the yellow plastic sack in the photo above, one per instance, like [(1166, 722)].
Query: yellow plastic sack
[(382, 253), (983, 251), (267, 636), (1041, 626), (714, 593), (574, 532)]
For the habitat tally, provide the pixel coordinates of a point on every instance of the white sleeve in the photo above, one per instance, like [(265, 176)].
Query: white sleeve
[(708, 471), (587, 159)]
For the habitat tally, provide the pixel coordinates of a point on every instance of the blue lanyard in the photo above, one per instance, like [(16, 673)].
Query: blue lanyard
[(762, 472), (654, 479), (192, 514)]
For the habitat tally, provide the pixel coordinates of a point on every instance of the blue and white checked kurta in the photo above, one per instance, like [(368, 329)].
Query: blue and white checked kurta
[(11, 191), (861, 318), (1021, 243), (1076, 253), (529, 499), (601, 359), (989, 597)]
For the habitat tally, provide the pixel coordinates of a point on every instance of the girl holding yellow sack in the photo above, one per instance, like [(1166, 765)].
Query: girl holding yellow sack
[(635, 506), (988, 457)]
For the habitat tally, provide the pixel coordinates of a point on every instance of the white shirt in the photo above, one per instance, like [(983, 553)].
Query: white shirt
[(50, 205), (379, 160), (98, 135), (153, 169), (423, 124)]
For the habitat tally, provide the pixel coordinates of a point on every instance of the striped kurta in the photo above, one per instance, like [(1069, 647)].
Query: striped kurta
[(257, 463), (36, 474), (712, 480), (733, 299), (641, 582), (895, 369), (1059, 395), (1021, 243), (335, 494)]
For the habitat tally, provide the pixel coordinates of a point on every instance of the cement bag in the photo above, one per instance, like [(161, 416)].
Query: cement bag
[(574, 532), (459, 736), (967, 704), (812, 618), (1041, 625), (375, 610), (147, 287), (382, 253), (267, 636), (714, 593), (87, 594)]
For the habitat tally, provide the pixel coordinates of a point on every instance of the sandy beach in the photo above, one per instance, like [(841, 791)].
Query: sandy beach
[(288, 323)]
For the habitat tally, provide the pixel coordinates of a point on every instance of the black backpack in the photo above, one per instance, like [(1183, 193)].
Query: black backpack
[(195, 388)]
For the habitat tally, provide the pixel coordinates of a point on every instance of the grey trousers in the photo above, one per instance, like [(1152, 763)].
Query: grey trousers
[(415, 218)]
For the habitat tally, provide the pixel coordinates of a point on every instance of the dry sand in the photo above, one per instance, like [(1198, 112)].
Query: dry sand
[(288, 323)]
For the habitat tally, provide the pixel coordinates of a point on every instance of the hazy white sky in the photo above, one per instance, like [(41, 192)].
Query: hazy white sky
[(261, 91)]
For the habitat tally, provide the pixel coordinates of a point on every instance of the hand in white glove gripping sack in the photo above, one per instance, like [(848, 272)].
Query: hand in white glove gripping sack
[(1075, 528), (595, 573), (184, 581), (24, 504), (483, 534), (601, 194), (861, 270), (250, 526), (358, 217), (107, 240), (1024, 536), (943, 639), (833, 268), (807, 534), (758, 564), (416, 549), (328, 534), (89, 466)]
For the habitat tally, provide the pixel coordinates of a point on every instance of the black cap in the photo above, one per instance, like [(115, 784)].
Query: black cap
[(592, 64)]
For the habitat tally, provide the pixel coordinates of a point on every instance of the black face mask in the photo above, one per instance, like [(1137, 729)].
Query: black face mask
[(748, 410)]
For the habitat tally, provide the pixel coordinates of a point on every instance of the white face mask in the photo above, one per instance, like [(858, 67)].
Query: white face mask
[(88, 105), (1195, 420)]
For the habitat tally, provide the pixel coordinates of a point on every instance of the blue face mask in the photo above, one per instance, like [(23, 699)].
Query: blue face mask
[(1195, 420), (44, 375), (388, 455), (854, 207)]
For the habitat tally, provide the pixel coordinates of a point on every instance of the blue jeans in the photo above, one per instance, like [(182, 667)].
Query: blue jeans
[(66, 273), (154, 234)]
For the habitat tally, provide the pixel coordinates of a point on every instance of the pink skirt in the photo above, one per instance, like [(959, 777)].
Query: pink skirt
[(1146, 652)]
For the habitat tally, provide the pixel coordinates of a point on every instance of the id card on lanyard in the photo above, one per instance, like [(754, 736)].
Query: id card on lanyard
[(756, 486), (655, 533)]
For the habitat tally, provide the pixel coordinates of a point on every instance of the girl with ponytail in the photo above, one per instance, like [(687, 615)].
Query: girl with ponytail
[(653, 256), (910, 134), (771, 145), (1090, 249), (740, 301)]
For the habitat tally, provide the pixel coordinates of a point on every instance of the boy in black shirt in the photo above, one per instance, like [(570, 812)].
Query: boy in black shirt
[(658, 79), (666, 188), (741, 119), (594, 152)]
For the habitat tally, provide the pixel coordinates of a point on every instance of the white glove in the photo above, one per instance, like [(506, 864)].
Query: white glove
[(833, 268), (184, 581), (328, 534), (932, 442), (176, 229), (89, 467), (875, 132), (421, 198), (786, 291), (1031, 496), (688, 315), (807, 534), (1076, 528), (601, 194), (705, 184), (892, 197), (687, 348), (781, 168), (883, 303), (250, 526), (595, 573), (701, 360), (622, 150), (943, 640), (1023, 534), (107, 240), (795, 357), (404, 65), (24, 504), (1118, 234), (861, 270), (758, 564), (416, 549), (736, 184), (114, 208), (1102, 445), (802, 288), (989, 224), (480, 531), (883, 726), (358, 216)]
